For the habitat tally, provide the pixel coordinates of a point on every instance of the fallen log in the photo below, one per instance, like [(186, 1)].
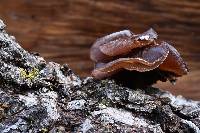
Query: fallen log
[(40, 96)]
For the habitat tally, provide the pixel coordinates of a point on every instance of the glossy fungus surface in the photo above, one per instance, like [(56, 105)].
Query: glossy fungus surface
[(138, 57)]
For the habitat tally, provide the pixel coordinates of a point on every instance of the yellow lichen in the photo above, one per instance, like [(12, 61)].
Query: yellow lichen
[(29, 75), (44, 130)]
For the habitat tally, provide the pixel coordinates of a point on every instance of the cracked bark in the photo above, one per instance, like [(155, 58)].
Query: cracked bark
[(40, 96)]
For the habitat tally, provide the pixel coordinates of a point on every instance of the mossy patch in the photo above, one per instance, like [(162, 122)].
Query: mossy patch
[(29, 74)]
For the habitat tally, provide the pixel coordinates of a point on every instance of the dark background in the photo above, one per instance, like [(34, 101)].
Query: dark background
[(63, 30)]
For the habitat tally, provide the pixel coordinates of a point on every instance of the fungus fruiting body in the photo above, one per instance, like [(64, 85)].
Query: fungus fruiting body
[(137, 59)]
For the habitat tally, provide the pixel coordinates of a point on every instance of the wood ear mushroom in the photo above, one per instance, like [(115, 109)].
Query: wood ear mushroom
[(139, 58)]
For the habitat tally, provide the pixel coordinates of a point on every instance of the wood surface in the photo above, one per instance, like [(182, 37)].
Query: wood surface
[(63, 30)]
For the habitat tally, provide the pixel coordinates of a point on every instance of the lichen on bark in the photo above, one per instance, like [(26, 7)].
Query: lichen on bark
[(40, 96)]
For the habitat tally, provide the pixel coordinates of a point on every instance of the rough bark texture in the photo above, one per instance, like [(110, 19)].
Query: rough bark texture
[(40, 96), (63, 30)]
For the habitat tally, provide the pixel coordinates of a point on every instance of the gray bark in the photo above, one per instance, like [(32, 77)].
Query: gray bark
[(40, 96)]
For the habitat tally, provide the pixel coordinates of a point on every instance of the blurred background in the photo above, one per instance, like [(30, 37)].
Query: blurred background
[(64, 30)]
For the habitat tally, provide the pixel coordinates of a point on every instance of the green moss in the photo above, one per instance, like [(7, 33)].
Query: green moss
[(29, 75), (105, 103)]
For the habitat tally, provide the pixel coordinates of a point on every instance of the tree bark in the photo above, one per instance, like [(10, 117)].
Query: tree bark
[(63, 31), (40, 96)]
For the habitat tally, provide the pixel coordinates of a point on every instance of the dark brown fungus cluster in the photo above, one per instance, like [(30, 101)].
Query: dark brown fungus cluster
[(136, 60)]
